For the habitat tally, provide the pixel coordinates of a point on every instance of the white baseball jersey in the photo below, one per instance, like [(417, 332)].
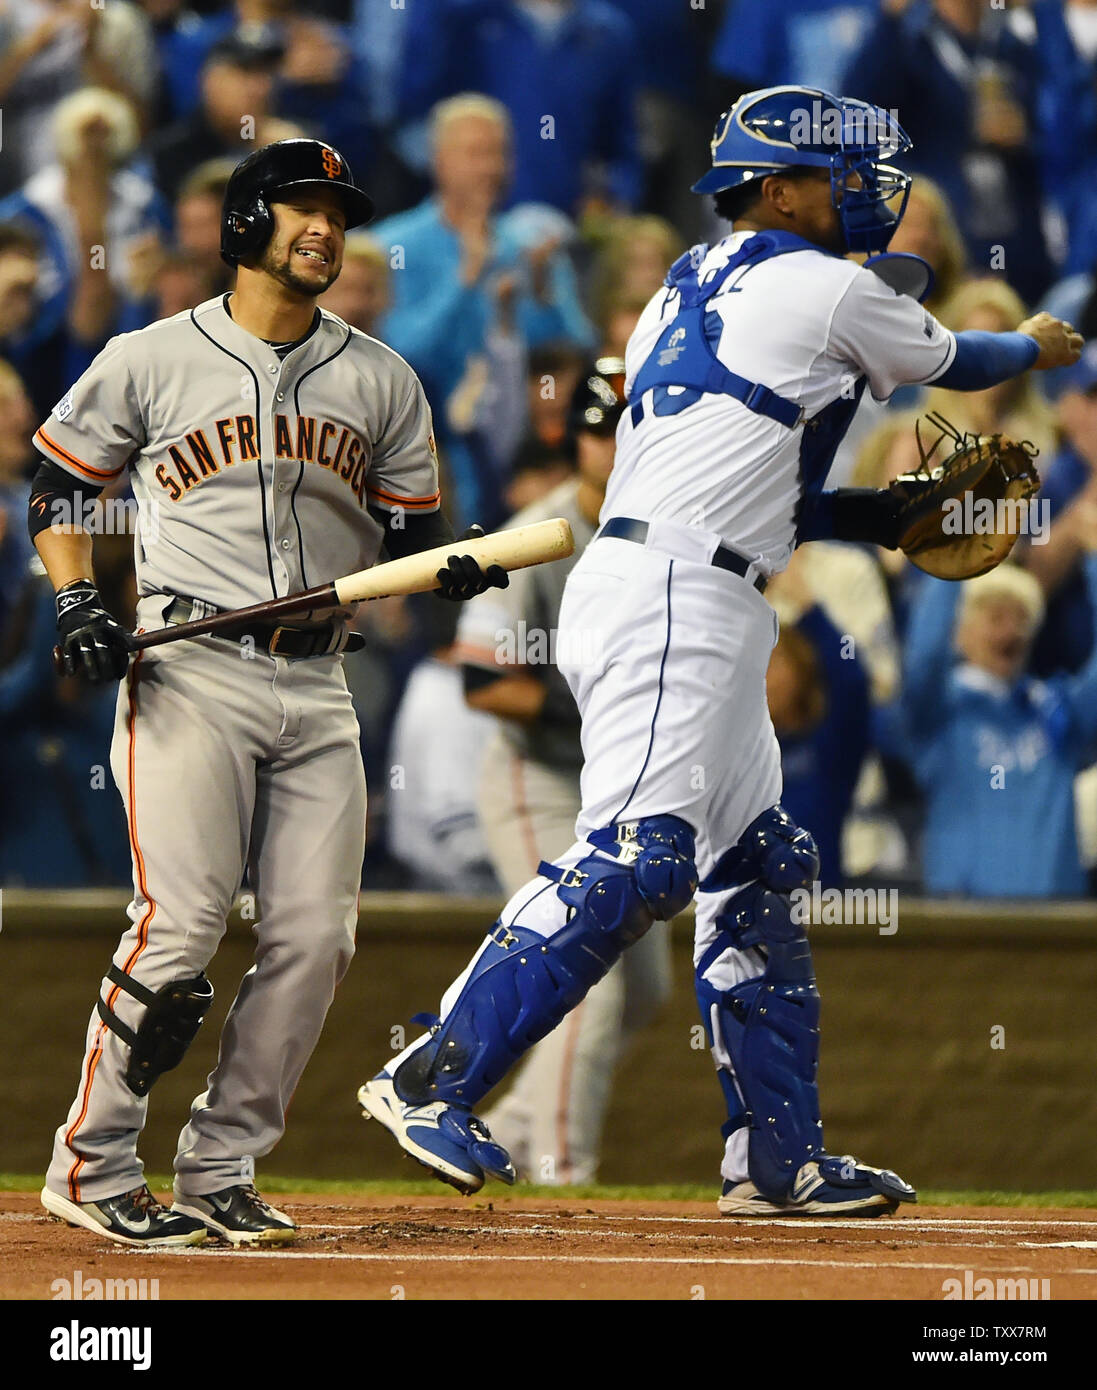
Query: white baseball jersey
[(253, 474), (807, 325)]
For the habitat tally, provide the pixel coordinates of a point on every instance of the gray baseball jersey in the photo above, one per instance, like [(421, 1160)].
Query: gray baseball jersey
[(253, 475)]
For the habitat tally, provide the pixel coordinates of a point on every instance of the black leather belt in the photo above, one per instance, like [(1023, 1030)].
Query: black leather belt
[(272, 638), (626, 528)]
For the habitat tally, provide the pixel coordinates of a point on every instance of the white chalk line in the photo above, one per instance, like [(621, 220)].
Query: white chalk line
[(198, 1252), (1057, 1245), (872, 1223), (911, 1224), (913, 1236)]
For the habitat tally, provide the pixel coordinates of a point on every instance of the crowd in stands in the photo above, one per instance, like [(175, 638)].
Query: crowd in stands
[(531, 163)]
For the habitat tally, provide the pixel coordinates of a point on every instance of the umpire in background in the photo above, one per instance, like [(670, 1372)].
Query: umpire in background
[(551, 1119)]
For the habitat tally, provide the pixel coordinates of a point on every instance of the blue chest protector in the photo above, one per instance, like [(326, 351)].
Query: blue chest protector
[(684, 357)]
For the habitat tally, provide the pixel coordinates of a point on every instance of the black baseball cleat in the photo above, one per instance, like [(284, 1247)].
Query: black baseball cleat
[(239, 1215), (134, 1218)]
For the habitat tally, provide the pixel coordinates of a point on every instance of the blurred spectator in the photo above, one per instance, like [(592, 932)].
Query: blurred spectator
[(619, 324), (181, 282), (552, 375), (804, 41), (995, 750), (892, 449), (321, 85), (538, 468), (18, 280), (435, 759), (566, 70), (673, 115), (179, 34), (464, 286), (818, 694), (87, 211), (198, 215), (50, 48), (362, 293), (848, 583), (1066, 638), (17, 425), (236, 94), (163, 281), (633, 257), (394, 45), (1065, 40), (964, 86), (29, 339), (929, 230), (65, 827), (1016, 407)]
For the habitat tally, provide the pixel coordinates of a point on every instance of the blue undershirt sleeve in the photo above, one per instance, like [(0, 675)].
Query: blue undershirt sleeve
[(985, 359)]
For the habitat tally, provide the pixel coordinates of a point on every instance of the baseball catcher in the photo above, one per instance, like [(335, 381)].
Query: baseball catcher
[(742, 377)]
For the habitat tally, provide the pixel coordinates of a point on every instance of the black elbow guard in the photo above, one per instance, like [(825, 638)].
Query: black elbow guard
[(57, 498)]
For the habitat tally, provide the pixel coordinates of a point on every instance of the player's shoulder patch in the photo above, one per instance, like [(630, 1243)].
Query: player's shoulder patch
[(63, 409)]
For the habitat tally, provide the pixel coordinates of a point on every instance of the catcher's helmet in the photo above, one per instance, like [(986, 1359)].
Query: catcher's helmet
[(246, 218), (599, 399), (779, 128)]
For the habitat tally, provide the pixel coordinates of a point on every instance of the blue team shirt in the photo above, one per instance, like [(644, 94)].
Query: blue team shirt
[(997, 762)]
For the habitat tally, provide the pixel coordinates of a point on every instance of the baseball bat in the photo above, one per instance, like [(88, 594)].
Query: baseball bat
[(412, 574)]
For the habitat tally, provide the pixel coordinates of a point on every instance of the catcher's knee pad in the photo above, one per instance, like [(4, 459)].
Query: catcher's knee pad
[(172, 1017), (522, 984), (767, 1027)]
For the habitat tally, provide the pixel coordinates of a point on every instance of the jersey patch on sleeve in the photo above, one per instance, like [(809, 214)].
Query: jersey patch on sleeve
[(63, 409)]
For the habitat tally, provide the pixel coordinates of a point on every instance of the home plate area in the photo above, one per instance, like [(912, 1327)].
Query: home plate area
[(515, 1247)]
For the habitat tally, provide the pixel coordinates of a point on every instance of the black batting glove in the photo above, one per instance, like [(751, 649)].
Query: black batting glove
[(93, 644), (464, 579)]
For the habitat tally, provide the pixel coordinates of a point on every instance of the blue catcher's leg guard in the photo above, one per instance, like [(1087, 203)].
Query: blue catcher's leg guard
[(519, 988), (767, 1029), (523, 984)]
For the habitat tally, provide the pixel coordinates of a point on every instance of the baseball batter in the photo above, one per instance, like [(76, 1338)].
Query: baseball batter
[(270, 447), (743, 374), (551, 1119)]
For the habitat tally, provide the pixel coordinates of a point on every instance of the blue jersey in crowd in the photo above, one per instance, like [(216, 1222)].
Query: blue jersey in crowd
[(997, 762), (438, 324), (568, 77), (1066, 636)]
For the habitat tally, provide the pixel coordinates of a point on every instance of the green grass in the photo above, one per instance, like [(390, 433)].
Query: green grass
[(684, 1192)]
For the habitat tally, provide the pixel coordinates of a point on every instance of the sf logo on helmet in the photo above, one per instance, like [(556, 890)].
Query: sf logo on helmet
[(333, 165)]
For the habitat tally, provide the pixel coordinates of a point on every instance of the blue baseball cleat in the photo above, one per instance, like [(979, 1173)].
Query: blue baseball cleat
[(827, 1186), (448, 1139)]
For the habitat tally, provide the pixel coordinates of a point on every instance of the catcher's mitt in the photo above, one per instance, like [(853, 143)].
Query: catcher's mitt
[(962, 517)]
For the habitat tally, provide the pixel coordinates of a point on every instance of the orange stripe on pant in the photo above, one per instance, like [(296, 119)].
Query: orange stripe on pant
[(93, 1062), (142, 930)]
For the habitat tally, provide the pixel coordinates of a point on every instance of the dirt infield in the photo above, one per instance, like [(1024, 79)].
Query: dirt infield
[(515, 1247)]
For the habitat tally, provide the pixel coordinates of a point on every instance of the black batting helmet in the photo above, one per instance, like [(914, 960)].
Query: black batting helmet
[(599, 399), (246, 219)]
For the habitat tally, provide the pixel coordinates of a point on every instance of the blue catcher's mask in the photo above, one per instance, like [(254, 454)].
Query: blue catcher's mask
[(780, 128)]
